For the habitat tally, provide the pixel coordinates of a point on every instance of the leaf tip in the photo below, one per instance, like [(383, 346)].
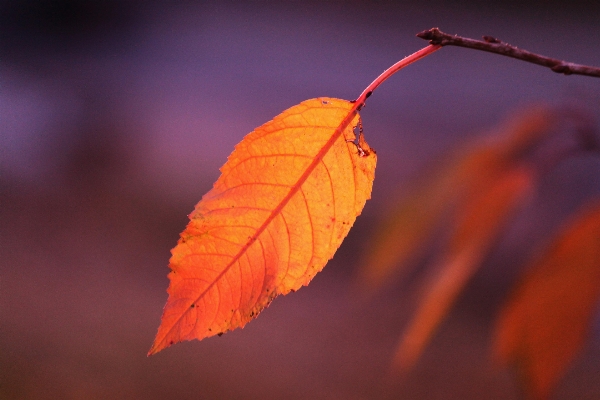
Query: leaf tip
[(156, 347)]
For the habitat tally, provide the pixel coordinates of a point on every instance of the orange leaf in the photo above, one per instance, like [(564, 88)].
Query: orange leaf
[(285, 200), (546, 320), (477, 226), (411, 219), (403, 230)]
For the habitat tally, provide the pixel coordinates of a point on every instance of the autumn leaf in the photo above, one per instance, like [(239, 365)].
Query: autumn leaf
[(546, 320), (476, 227), (412, 217), (286, 198)]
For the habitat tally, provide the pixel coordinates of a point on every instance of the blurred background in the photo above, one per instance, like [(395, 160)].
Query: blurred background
[(115, 118)]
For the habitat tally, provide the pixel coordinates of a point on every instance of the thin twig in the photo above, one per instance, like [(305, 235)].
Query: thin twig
[(493, 45)]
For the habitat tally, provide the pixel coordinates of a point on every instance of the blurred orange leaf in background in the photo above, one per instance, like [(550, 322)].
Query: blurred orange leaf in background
[(477, 225), (413, 216), (547, 319), (286, 198), (469, 197)]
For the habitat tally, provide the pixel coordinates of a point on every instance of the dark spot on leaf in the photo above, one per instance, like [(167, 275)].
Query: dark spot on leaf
[(192, 306), (220, 334)]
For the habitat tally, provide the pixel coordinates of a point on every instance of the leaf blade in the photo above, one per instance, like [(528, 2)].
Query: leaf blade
[(286, 198), (544, 323), (476, 228), (409, 221)]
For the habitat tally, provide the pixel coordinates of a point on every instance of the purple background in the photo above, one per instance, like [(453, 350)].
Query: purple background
[(114, 120)]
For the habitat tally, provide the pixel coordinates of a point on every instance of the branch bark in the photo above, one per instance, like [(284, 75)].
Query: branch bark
[(493, 45)]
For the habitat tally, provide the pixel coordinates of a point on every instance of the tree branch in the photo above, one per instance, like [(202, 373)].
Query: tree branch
[(493, 45)]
